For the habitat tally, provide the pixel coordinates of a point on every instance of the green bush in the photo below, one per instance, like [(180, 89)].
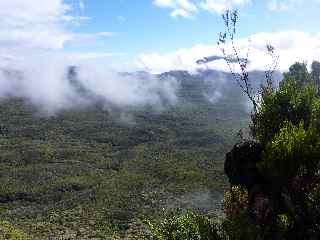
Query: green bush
[(290, 102), (235, 200), (299, 72), (315, 114), (177, 226), (8, 232), (294, 148), (240, 227)]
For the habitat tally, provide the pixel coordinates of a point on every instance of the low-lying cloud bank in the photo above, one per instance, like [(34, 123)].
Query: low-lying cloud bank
[(291, 46), (35, 66), (52, 85)]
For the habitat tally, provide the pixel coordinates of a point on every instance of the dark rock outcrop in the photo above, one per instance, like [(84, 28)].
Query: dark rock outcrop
[(240, 164)]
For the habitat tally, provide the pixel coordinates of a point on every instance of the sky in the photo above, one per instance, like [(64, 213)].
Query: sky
[(155, 35)]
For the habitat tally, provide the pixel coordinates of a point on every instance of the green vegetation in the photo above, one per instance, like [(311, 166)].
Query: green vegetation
[(8, 232), (290, 150), (282, 193), (178, 226), (296, 100), (85, 174), (274, 192)]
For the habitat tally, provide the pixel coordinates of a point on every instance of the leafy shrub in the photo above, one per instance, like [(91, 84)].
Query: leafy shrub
[(177, 226), (289, 151), (284, 224), (284, 221), (289, 103), (299, 72), (191, 226), (315, 115), (240, 227), (8, 232), (235, 200)]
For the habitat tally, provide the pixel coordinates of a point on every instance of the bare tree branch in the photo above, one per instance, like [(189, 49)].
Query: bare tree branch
[(256, 97)]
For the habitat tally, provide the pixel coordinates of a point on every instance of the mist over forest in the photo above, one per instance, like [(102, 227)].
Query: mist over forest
[(159, 120)]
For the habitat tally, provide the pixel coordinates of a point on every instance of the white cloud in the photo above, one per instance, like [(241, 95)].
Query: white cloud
[(291, 45), (43, 80), (219, 6), (34, 62), (181, 59), (86, 38), (81, 57), (30, 30), (284, 5), (281, 5), (121, 18), (81, 5), (29, 24), (182, 8), (187, 8)]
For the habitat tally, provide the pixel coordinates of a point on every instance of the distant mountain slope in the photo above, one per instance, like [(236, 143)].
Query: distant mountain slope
[(96, 171)]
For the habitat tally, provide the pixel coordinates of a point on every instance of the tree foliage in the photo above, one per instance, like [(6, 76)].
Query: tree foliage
[(292, 102), (283, 203), (178, 226), (294, 148)]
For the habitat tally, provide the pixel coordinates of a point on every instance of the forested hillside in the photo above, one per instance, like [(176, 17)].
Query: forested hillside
[(93, 173)]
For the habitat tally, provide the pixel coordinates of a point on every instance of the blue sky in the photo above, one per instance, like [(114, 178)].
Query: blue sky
[(155, 35), (141, 26)]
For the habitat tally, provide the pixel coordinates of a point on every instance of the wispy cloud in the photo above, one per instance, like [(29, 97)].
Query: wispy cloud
[(28, 24), (284, 5), (121, 18), (44, 80), (87, 38), (81, 5), (281, 5), (291, 45), (188, 8), (34, 62), (179, 8), (79, 57), (219, 6)]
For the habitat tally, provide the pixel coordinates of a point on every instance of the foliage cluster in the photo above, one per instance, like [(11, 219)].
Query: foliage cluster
[(282, 204), (279, 198), (179, 226), (235, 200), (295, 100), (184, 226), (294, 148), (8, 232)]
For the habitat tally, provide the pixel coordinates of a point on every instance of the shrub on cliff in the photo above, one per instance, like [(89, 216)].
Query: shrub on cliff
[(294, 148), (178, 226)]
